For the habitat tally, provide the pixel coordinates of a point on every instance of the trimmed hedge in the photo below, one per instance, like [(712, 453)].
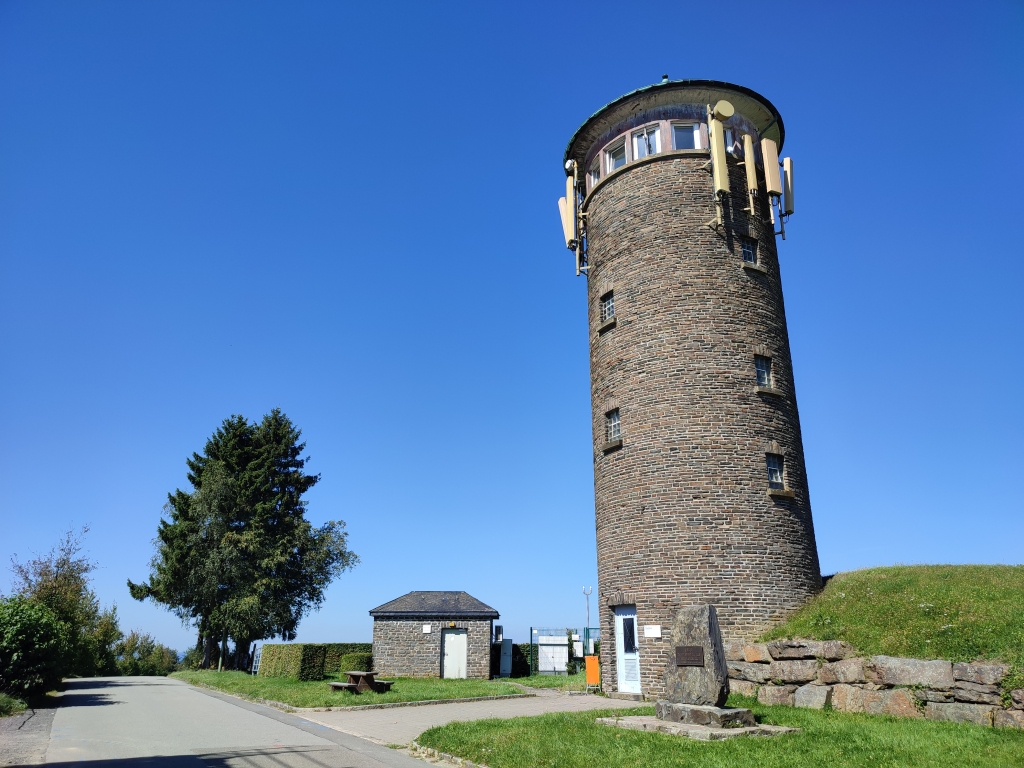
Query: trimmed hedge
[(303, 661), (335, 651), (361, 662)]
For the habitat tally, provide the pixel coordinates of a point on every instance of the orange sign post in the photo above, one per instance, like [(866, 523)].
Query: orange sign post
[(593, 672)]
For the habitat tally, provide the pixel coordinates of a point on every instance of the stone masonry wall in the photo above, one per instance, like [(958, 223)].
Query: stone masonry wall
[(683, 512), (402, 649), (816, 674)]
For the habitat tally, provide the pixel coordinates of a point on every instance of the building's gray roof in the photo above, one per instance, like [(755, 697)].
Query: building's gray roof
[(447, 604)]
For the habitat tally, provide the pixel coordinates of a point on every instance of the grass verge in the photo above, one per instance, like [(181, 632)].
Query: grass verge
[(834, 739), (955, 612), (317, 694), (10, 705), (577, 682)]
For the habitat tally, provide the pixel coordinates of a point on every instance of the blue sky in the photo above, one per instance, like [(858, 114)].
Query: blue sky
[(348, 211)]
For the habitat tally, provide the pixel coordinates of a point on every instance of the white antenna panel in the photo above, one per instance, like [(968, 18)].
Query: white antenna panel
[(566, 226), (770, 156), (787, 170), (748, 162), (718, 162)]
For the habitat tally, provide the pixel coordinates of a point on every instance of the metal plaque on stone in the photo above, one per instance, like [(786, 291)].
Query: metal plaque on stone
[(689, 656)]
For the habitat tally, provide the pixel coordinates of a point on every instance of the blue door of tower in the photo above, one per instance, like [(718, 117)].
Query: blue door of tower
[(627, 651)]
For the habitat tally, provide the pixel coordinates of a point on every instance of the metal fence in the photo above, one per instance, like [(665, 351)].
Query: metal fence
[(560, 650)]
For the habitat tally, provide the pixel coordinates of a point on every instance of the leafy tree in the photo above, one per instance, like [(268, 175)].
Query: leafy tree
[(59, 580), (237, 557), (33, 647), (141, 654)]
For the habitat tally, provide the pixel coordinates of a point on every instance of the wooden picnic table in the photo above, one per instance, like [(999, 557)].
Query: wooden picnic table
[(359, 681)]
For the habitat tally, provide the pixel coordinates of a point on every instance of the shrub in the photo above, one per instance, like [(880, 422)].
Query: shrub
[(33, 647), (303, 661), (141, 654), (10, 706), (362, 662), (193, 659), (332, 664)]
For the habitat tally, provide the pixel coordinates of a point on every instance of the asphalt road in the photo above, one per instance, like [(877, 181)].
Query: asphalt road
[(157, 722)]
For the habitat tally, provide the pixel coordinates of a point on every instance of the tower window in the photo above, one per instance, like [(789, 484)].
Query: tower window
[(685, 135), (612, 426), (763, 366), (646, 141), (776, 471), (608, 306), (615, 157), (594, 174), (749, 250)]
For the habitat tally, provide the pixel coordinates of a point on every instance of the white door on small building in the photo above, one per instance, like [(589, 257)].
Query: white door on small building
[(454, 646), (627, 652)]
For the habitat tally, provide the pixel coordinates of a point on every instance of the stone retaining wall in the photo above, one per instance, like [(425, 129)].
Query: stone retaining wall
[(814, 674)]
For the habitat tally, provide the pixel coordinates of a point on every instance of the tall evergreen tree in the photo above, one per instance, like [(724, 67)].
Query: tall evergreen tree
[(237, 557)]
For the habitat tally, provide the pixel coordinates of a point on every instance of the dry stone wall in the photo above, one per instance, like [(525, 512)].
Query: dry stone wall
[(816, 674)]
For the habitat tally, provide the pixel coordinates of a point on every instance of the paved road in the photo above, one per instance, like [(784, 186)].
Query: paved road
[(157, 722), (403, 724)]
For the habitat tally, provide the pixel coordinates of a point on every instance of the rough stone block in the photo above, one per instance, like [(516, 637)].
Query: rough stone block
[(733, 650), (716, 717), (898, 703), (707, 685), (757, 653), (979, 714), (847, 698), (777, 695), (927, 694), (985, 674), (742, 687), (888, 670), (1017, 697), (846, 671), (755, 673), (1008, 718), (977, 693), (812, 696), (794, 671), (832, 650)]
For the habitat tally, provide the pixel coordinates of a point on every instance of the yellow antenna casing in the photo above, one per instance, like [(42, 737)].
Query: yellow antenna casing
[(748, 162), (718, 163), (770, 156)]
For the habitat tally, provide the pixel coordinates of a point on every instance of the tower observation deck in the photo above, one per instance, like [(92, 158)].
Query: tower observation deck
[(700, 487)]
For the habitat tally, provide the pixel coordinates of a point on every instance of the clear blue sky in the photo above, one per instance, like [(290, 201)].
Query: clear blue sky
[(348, 211)]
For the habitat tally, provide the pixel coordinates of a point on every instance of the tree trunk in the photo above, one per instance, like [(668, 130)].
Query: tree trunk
[(208, 648)]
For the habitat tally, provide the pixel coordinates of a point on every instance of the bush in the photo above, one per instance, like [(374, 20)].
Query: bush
[(10, 706), (33, 647), (332, 664), (303, 661), (140, 654), (193, 659), (362, 662)]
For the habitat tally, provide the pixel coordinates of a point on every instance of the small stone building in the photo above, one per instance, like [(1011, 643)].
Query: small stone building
[(433, 634)]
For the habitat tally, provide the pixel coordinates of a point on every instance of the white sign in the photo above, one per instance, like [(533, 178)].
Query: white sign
[(652, 630), (426, 629), (553, 640)]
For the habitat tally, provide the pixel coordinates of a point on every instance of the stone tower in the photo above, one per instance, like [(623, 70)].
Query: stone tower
[(700, 486)]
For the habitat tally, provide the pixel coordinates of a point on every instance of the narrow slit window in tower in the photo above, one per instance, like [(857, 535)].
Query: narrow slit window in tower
[(646, 141), (749, 250), (594, 174), (763, 366), (615, 157), (685, 135), (776, 471), (612, 426), (608, 306)]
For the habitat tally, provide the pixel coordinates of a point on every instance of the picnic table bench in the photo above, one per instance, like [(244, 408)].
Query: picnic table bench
[(359, 681)]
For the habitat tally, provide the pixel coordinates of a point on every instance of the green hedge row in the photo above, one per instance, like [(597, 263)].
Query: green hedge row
[(303, 661), (362, 662), (336, 650)]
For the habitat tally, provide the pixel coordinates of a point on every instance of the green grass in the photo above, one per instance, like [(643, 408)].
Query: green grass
[(833, 739), (318, 694), (10, 706), (955, 612), (577, 682)]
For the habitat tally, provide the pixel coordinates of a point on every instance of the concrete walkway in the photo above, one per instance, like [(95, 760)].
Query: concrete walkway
[(403, 724)]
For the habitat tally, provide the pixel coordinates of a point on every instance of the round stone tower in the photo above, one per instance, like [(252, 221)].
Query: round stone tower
[(700, 486)]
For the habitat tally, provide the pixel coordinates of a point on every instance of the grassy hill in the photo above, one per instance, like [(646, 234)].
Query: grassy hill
[(955, 612)]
